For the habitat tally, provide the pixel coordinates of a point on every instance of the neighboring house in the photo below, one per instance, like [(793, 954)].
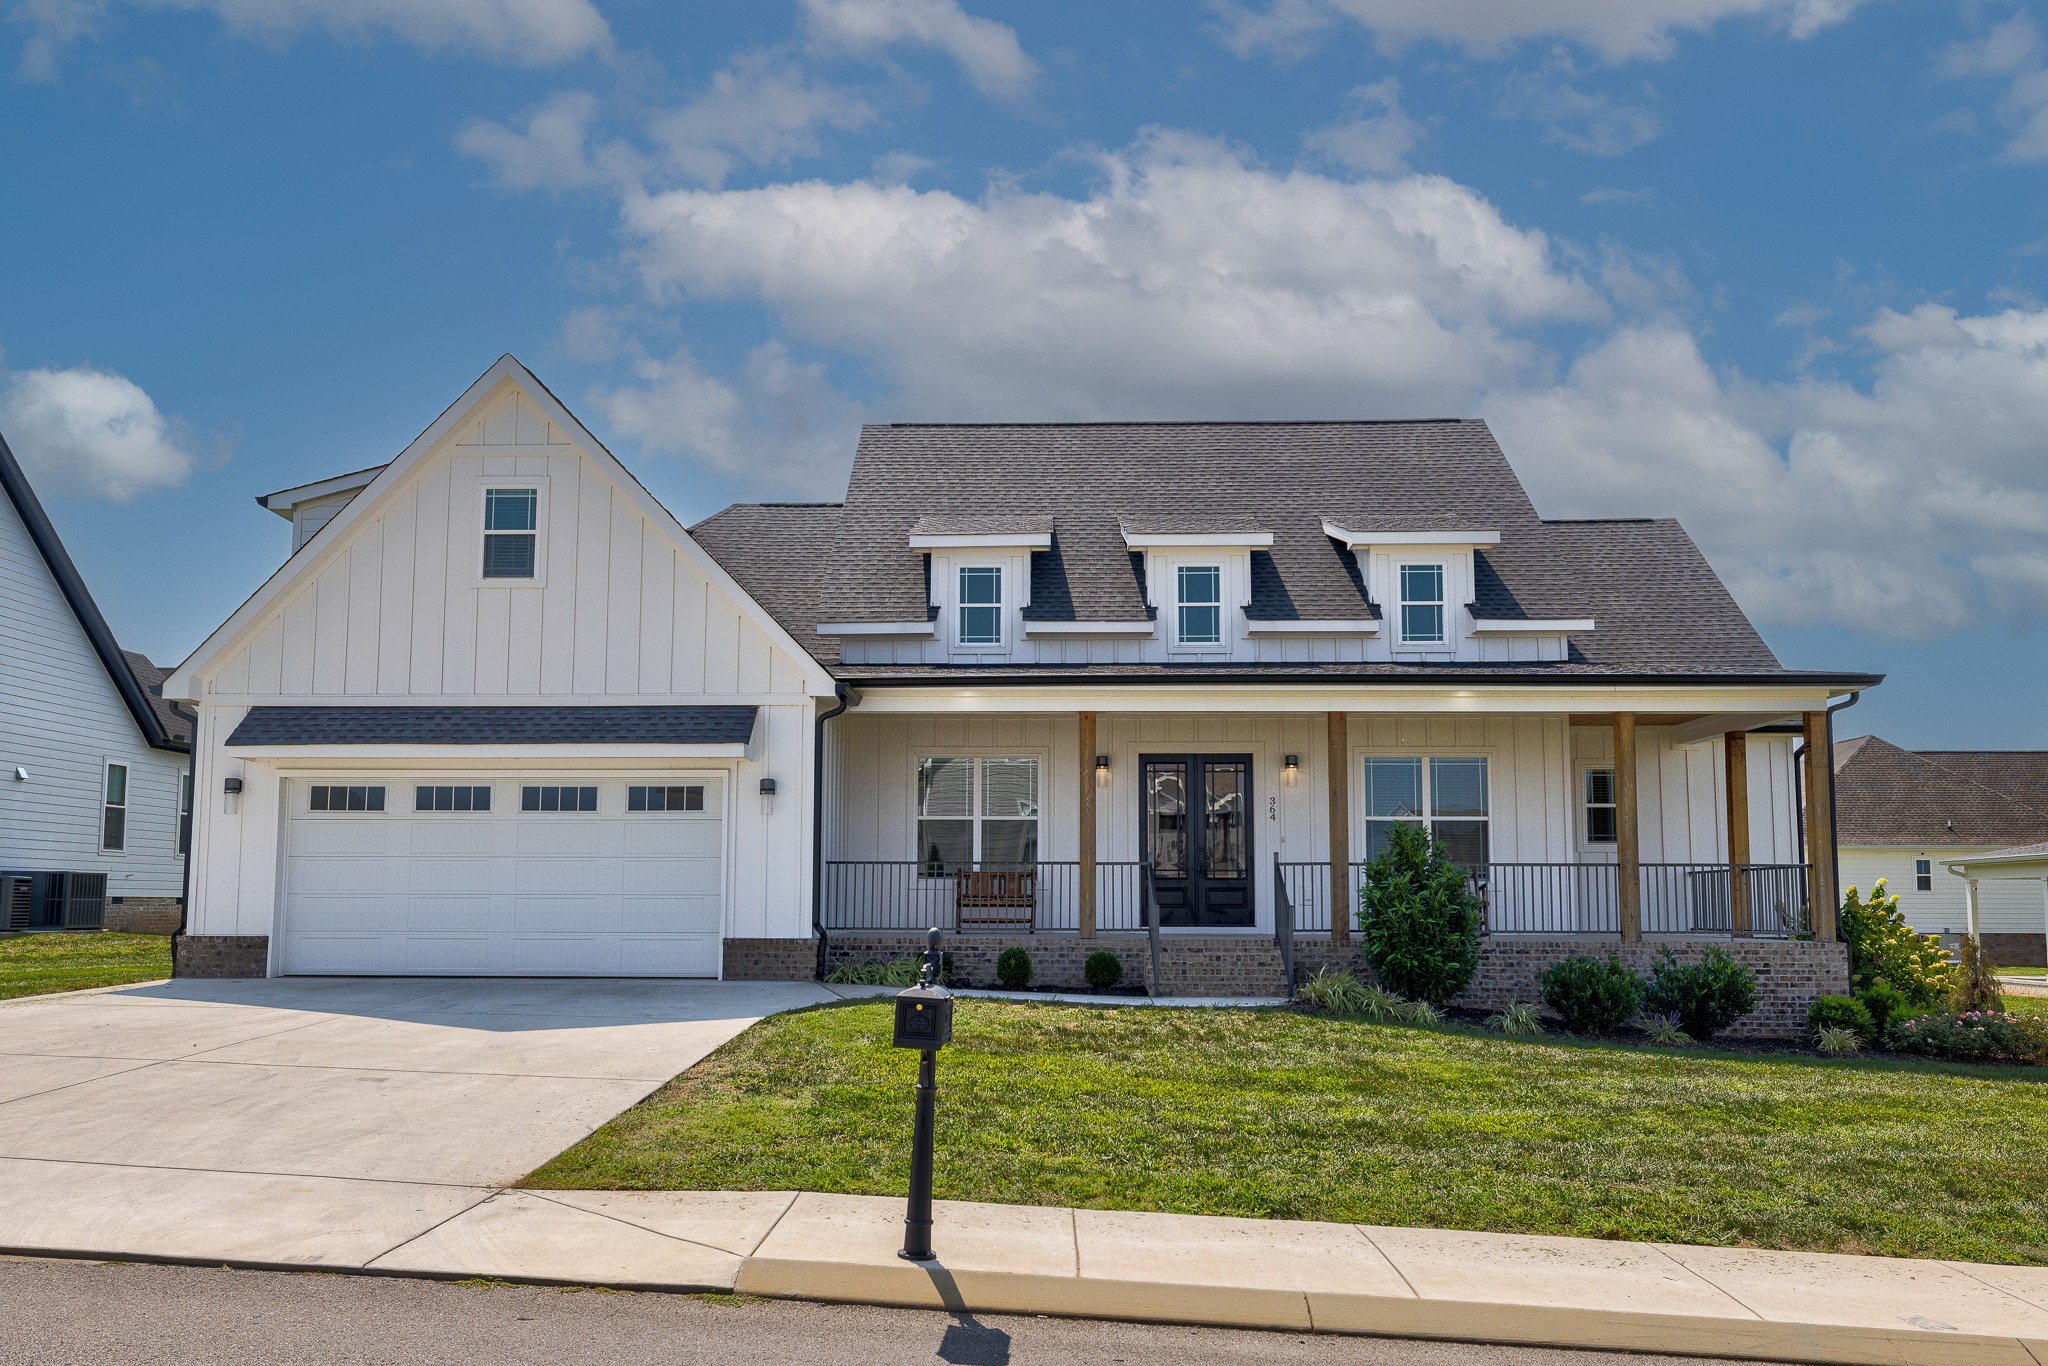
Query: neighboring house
[(500, 712), (1901, 814), (94, 801)]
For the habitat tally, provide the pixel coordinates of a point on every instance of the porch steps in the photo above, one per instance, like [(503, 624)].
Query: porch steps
[(1220, 967)]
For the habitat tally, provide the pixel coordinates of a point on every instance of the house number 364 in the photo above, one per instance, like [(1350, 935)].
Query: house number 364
[(1272, 808)]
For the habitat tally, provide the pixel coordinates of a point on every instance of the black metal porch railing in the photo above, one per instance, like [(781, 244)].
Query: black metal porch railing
[(902, 894), (1283, 925)]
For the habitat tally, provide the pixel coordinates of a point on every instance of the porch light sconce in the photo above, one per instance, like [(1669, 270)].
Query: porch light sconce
[(233, 787), (1102, 770), (1290, 770), (767, 796)]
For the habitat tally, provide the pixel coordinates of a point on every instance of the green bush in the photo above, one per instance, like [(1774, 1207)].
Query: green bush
[(1103, 969), (1516, 1019), (1885, 1003), (1973, 1036), (1842, 1012), (1706, 996), (1013, 968), (1592, 995), (1663, 1029), (1884, 948), (867, 972), (1976, 983), (1339, 993), (1836, 1041), (1419, 919)]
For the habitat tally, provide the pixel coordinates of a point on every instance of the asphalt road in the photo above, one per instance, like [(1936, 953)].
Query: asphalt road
[(114, 1314)]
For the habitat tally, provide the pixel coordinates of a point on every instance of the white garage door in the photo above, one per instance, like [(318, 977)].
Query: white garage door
[(557, 876)]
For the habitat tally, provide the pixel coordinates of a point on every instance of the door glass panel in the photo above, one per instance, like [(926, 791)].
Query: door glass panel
[(1166, 818), (1224, 845)]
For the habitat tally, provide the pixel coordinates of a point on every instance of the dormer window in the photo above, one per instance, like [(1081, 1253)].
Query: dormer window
[(981, 606), (511, 533), (1422, 604), (1198, 612)]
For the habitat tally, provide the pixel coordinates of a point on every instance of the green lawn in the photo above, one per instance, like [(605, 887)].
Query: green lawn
[(2023, 972), (1275, 1114), (31, 964)]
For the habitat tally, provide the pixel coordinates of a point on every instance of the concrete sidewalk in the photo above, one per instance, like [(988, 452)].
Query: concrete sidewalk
[(1729, 1302)]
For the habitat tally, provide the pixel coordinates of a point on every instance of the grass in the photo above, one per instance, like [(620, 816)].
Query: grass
[(1283, 1115), (2023, 972), (32, 964)]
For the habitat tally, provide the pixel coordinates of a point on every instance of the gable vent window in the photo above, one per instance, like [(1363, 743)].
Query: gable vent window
[(1923, 874), (560, 799), (981, 605), (451, 799), (511, 527), (335, 798), (1422, 604), (665, 798), (1199, 619), (114, 813)]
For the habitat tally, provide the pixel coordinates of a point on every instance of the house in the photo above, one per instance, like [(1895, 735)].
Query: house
[(1902, 815), (95, 798), (499, 712)]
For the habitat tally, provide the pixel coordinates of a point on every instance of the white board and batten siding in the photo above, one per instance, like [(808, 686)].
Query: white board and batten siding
[(1680, 812), (2004, 905), (63, 721), (392, 611)]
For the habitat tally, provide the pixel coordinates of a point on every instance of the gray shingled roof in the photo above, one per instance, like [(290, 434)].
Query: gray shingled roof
[(495, 726), (1885, 795), (1013, 524), (176, 720), (1658, 605)]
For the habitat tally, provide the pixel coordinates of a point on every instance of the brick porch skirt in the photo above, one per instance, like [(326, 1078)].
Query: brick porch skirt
[(143, 914)]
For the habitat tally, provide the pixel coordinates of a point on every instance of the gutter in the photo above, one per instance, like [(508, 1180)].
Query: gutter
[(847, 697), (1833, 682)]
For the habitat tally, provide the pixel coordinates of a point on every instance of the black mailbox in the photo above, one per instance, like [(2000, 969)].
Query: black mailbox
[(924, 1018)]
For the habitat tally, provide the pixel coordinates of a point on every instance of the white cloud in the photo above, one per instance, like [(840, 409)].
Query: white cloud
[(549, 153), (1619, 30), (986, 52), (522, 32), (760, 111), (92, 434), (2013, 52), (1585, 121), (1377, 135)]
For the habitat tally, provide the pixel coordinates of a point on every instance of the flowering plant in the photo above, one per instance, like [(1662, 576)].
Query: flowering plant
[(1973, 1036)]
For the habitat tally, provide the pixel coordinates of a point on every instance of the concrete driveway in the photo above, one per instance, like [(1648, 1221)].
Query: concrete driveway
[(321, 1120)]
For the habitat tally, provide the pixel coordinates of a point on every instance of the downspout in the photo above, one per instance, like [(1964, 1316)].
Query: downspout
[(846, 699)]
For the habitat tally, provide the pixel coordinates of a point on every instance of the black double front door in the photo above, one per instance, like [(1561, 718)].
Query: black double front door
[(1197, 831)]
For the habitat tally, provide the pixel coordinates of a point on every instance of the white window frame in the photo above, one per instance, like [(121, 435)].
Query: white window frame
[(1001, 606), (1429, 817), (977, 757), (483, 487), (1918, 864), (1587, 806), (1402, 602), (106, 780), (1180, 605)]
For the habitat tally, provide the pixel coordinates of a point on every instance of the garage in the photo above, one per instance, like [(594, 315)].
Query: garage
[(561, 874)]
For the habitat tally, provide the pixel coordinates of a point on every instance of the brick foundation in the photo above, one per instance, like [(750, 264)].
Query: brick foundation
[(220, 955), (144, 914), (2014, 950), (1056, 960), (771, 960)]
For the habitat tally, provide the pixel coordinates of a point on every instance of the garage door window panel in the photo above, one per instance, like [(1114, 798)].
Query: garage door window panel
[(334, 798), (558, 799), (680, 798), (455, 798)]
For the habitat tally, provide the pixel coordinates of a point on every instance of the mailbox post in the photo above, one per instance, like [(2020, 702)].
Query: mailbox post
[(924, 1021)]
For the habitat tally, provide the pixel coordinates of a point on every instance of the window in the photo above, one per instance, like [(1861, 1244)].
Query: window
[(335, 798), (1447, 796), (563, 799), (665, 798), (1923, 874), (976, 811), (114, 812), (184, 813), (1422, 604), (1600, 817), (1199, 619), (451, 799), (511, 528), (981, 605)]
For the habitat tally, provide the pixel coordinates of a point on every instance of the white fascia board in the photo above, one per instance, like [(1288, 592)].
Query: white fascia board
[(445, 757), (1359, 540), (284, 500), (1497, 626), (1313, 628), (1014, 540), (1367, 696), (1218, 540), (1089, 628), (878, 628)]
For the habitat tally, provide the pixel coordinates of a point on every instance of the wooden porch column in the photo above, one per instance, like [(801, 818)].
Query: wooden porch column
[(1627, 856), (1086, 843), (1820, 829), (1735, 751), (1337, 774)]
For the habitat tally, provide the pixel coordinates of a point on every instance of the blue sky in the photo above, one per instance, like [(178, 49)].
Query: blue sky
[(1770, 266)]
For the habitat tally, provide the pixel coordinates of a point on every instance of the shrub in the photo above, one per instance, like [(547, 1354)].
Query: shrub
[(1103, 969), (1842, 1012), (1517, 1018), (1419, 919), (1013, 968), (1973, 1036), (1836, 1041), (1884, 948), (1663, 1029), (1885, 1003), (1339, 993), (1420, 1012), (1706, 996), (867, 972), (1592, 995), (1976, 981)]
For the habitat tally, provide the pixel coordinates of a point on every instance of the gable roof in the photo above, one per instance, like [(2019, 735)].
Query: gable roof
[(506, 370), (1885, 795), (176, 720), (145, 709), (1660, 608)]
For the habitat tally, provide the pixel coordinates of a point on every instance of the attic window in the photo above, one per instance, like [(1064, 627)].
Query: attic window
[(1422, 604), (981, 605), (1199, 609), (511, 530)]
